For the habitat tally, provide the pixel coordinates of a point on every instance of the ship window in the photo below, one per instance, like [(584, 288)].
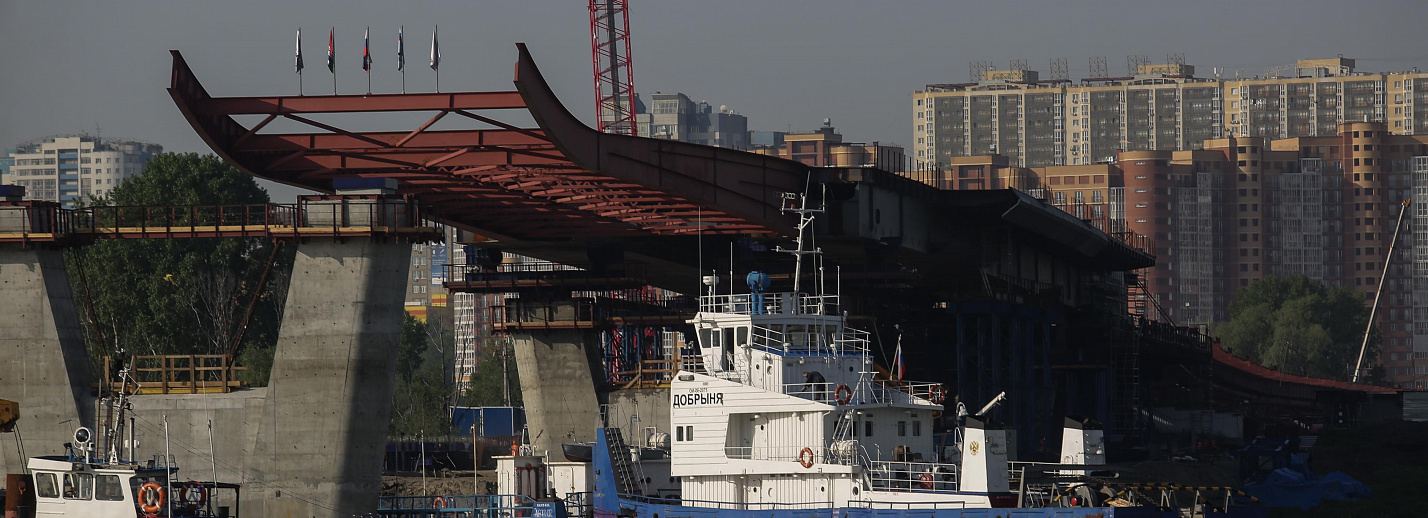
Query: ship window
[(743, 335), (902, 428), (689, 433), (917, 428), (705, 335), (679, 433), (78, 486), (45, 485), (107, 487), (867, 428)]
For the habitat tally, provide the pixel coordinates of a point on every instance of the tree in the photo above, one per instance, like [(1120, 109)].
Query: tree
[(419, 401), (180, 296), (490, 383), (1299, 326)]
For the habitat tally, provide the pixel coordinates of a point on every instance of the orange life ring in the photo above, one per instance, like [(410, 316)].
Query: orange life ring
[(936, 395), (151, 497), (193, 505), (805, 457), (842, 394), (926, 479), (439, 503)]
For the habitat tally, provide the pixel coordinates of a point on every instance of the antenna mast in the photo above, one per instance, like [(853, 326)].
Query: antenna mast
[(805, 218)]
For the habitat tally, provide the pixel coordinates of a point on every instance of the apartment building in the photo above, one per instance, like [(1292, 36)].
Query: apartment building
[(68, 168), (674, 116), (1038, 122), (1239, 209)]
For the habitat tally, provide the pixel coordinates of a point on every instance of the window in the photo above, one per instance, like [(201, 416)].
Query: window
[(902, 428), (917, 428), (867, 428), (107, 487), (78, 486), (45, 485)]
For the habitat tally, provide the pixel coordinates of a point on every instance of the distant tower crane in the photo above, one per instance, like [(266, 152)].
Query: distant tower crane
[(610, 59)]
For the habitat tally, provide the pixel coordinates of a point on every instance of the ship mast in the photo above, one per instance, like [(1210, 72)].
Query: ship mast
[(805, 219)]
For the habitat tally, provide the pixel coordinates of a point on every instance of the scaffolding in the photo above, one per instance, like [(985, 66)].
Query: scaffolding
[(1194, 257), (1301, 220), (1419, 225)]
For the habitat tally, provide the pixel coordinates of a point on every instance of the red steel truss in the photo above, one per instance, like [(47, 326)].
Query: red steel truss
[(611, 63), (500, 178)]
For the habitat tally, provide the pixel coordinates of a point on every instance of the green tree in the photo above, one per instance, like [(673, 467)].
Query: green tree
[(1300, 326), (489, 384), (422, 393), (180, 296)]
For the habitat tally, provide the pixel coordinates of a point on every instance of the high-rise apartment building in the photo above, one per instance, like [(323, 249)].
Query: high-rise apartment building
[(676, 117), (1038, 122), (1238, 209), (69, 168)]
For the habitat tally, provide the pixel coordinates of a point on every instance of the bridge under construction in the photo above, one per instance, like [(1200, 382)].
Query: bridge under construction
[(988, 291)]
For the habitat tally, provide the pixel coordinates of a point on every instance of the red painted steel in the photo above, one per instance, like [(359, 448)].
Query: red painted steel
[(611, 64), (501, 179)]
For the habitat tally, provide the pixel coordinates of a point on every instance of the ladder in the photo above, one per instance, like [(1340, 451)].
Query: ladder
[(628, 475)]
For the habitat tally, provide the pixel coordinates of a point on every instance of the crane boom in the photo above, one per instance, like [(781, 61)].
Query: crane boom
[(1373, 310)]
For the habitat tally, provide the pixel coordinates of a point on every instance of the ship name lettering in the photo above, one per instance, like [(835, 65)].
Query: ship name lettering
[(698, 399)]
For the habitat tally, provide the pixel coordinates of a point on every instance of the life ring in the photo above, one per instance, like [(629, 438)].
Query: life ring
[(805, 457), (151, 497), (936, 395), (439, 503), (842, 394), (926, 479), (191, 504)]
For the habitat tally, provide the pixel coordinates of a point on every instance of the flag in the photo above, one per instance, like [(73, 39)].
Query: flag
[(897, 361), (297, 59), (366, 51), (331, 55), (401, 50), (435, 51)]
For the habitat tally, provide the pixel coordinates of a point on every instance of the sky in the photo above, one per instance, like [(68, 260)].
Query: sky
[(102, 66)]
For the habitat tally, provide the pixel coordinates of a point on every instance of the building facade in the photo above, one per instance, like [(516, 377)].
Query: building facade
[(1240, 209), (675, 117), (67, 169), (1161, 107)]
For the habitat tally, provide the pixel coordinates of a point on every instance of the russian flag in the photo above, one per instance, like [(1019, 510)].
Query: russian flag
[(366, 50), (401, 49), (331, 56)]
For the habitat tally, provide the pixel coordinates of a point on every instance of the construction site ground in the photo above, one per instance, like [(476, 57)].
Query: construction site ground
[(443, 483)]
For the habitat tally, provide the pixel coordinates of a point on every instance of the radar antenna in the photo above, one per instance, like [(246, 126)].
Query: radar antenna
[(805, 218)]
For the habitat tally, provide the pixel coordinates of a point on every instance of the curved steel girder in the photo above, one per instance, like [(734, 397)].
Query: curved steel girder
[(742, 184)]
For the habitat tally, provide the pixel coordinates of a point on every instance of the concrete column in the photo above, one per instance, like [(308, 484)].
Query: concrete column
[(43, 362), (324, 424), (557, 385)]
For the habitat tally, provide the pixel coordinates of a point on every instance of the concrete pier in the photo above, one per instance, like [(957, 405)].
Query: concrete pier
[(557, 385), (324, 422), (43, 362)]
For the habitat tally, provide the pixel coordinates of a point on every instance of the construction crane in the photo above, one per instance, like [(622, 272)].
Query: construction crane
[(610, 61), (1373, 310)]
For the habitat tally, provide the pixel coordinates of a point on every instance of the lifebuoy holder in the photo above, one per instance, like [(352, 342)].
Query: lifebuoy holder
[(151, 497), (193, 505), (805, 457), (843, 394), (936, 394)]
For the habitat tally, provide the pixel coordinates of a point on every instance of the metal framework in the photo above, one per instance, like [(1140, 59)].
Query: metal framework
[(610, 61), (500, 178)]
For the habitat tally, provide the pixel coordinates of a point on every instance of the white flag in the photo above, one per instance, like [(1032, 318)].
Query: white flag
[(435, 51)]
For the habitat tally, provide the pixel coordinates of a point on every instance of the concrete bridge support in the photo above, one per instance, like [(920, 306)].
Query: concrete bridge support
[(43, 362), (324, 422), (558, 385)]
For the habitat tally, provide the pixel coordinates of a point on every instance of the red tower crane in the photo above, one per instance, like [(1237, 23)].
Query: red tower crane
[(610, 59)]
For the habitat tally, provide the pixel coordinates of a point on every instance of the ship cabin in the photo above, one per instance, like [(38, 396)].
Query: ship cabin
[(787, 405), (68, 486)]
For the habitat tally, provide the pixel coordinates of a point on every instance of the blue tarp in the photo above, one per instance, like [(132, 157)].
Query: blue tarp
[(1286, 487)]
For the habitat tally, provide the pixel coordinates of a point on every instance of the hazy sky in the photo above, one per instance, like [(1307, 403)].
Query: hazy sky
[(71, 66)]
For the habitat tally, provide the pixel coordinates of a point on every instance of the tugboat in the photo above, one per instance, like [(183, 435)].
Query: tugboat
[(83, 484), (787, 416)]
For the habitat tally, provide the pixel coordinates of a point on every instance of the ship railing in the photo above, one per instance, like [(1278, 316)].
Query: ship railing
[(694, 507), (1018, 469), (933, 477), (783, 303), (849, 342), (475, 506), (908, 504), (876, 392), (816, 455)]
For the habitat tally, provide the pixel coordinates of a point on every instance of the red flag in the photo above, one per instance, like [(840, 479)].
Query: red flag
[(331, 56)]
